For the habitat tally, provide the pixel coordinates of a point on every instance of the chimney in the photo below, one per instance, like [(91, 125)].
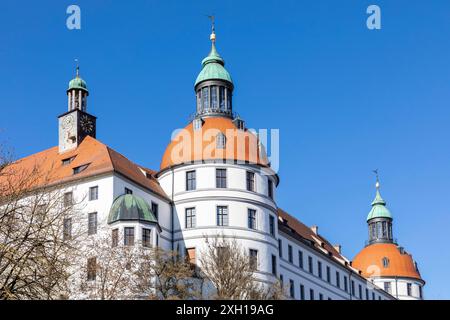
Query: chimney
[(338, 248), (315, 229)]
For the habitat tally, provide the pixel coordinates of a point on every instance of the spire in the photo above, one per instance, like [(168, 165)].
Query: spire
[(378, 199), (78, 69), (379, 209)]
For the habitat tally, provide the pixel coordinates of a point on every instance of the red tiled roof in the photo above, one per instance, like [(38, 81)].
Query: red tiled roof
[(99, 158)]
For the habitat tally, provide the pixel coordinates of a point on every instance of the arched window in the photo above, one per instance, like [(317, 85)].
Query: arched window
[(385, 262), (221, 141)]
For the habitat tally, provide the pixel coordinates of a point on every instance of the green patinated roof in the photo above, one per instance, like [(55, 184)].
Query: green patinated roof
[(379, 209), (213, 68), (130, 207), (77, 83)]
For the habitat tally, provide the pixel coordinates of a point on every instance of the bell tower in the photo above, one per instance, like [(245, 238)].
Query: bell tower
[(76, 123)]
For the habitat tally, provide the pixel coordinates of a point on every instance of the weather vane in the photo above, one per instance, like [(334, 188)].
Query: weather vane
[(377, 184), (213, 28)]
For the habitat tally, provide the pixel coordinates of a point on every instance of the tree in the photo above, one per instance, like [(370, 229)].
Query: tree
[(166, 275), (37, 238), (231, 272)]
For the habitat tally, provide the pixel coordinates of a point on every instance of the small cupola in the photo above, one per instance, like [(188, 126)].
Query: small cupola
[(129, 207), (77, 93), (379, 219), (214, 86)]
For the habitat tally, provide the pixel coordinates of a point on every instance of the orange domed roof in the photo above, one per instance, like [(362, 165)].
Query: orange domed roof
[(396, 264), (217, 139)]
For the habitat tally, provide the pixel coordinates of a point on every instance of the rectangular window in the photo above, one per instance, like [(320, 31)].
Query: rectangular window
[(146, 237), (272, 225), (291, 289), (91, 269), (280, 248), (409, 289), (128, 191), (420, 292), (93, 193), (281, 281), (387, 287), (311, 294), (67, 229), (155, 209), (367, 294), (191, 255), (338, 280), (251, 219), (328, 274), (319, 269), (221, 178), (222, 216), (250, 181), (214, 104), (290, 258), (190, 180), (115, 238), (300, 259), (270, 188), (190, 218), (320, 296), (353, 288), (345, 284), (360, 291), (205, 98), (128, 239), (373, 295), (68, 199), (310, 265), (302, 292), (274, 265), (253, 259), (92, 223)]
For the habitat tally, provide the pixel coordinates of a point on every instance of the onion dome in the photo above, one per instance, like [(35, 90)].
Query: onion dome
[(213, 66), (379, 209), (128, 207), (216, 138), (77, 82), (386, 260)]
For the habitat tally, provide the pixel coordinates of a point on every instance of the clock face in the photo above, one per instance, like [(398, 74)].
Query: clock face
[(67, 122), (86, 124)]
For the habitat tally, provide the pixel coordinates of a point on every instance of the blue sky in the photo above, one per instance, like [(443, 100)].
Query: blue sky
[(346, 99)]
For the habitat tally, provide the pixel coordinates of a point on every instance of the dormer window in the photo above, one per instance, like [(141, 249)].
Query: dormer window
[(221, 141), (385, 262), (67, 161), (80, 169)]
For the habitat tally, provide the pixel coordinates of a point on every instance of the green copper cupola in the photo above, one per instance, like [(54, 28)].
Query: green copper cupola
[(214, 86), (77, 93), (379, 219)]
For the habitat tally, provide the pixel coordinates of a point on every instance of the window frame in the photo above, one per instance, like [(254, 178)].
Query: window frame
[(92, 223), (91, 197), (250, 181), (191, 180), (221, 180), (251, 219), (222, 218), (129, 239), (192, 218), (146, 237)]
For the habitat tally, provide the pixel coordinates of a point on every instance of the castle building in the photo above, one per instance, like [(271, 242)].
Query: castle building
[(215, 180), (385, 263)]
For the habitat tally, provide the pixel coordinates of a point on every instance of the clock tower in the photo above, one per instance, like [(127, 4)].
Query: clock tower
[(76, 123)]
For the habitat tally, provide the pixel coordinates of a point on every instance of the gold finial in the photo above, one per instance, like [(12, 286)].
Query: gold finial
[(212, 37), (377, 184), (78, 68)]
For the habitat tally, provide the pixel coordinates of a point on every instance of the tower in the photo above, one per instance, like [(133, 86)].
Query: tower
[(76, 123), (383, 261), (379, 220), (214, 86)]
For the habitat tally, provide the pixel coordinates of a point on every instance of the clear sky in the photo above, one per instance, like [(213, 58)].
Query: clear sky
[(346, 99)]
